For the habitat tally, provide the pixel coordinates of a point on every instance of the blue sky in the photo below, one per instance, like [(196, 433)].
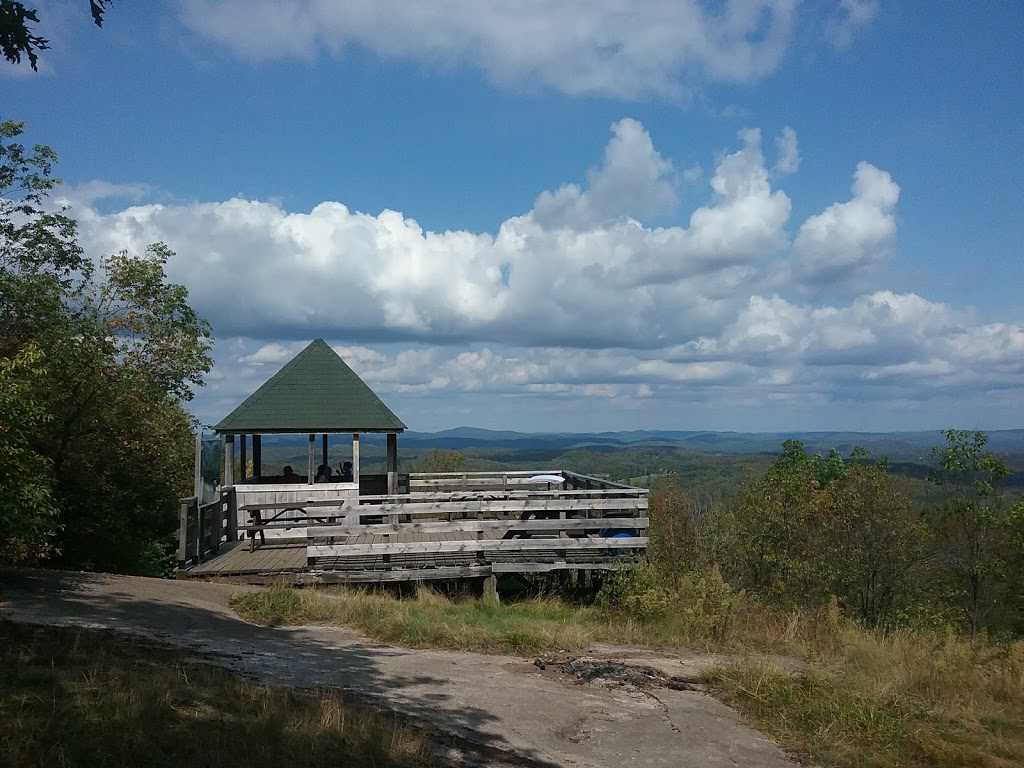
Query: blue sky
[(568, 215)]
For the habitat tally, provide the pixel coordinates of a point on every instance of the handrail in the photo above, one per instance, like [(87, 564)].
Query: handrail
[(202, 530)]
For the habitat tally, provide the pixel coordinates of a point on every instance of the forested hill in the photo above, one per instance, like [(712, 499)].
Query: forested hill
[(911, 447)]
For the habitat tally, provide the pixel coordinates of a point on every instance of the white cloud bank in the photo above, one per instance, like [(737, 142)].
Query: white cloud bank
[(579, 299), (575, 46)]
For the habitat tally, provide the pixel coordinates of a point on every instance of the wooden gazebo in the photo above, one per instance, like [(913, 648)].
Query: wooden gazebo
[(316, 393)]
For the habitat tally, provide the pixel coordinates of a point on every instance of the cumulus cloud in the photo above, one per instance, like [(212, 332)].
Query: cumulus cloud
[(577, 270), (789, 151), (574, 46), (635, 181), (840, 247), (578, 300)]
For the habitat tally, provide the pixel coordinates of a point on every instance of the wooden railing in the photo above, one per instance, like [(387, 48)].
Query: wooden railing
[(576, 481), (605, 522), (204, 530), (420, 482)]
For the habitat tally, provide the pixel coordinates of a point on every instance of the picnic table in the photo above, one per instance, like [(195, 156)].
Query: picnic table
[(282, 521)]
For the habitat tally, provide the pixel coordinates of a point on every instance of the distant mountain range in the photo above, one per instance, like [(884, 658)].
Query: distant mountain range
[(896, 445)]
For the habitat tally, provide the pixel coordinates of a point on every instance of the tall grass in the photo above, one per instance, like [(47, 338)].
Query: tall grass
[(78, 698), (857, 698), (897, 699)]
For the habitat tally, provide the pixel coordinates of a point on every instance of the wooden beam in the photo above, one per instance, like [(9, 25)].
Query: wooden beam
[(355, 458), (471, 526), (198, 471), (229, 460), (395, 574), (509, 506), (392, 462), (558, 565), (243, 455), (492, 495), (312, 452), (496, 545), (257, 455)]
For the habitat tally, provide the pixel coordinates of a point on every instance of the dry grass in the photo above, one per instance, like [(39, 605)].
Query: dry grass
[(867, 700), (899, 699), (79, 698)]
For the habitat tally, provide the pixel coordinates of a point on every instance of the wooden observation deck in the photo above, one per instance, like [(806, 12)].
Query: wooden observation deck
[(447, 526)]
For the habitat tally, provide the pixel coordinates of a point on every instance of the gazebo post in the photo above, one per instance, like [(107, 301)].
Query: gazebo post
[(323, 452), (229, 460), (312, 453), (243, 455), (355, 458), (392, 462), (257, 455)]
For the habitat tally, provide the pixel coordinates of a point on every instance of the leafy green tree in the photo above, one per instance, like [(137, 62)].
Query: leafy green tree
[(27, 510), (443, 460), (979, 536), (777, 531), (17, 38), (874, 539), (122, 350)]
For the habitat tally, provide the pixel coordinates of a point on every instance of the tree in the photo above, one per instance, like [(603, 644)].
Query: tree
[(17, 38), (979, 535), (442, 460), (874, 540), (27, 510), (104, 359), (777, 545)]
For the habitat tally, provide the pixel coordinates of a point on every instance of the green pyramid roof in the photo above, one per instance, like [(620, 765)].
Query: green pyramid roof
[(315, 392)]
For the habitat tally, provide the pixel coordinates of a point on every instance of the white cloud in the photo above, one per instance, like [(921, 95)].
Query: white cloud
[(789, 151), (634, 181), (575, 46), (579, 301), (842, 246), (575, 270), (848, 19)]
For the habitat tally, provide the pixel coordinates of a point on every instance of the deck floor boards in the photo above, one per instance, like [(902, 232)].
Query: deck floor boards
[(282, 556)]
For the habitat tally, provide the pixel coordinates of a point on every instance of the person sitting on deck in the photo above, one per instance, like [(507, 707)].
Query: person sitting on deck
[(324, 473), (346, 472), (290, 476)]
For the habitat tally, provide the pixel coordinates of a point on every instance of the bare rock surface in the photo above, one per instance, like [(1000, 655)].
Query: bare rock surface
[(508, 710)]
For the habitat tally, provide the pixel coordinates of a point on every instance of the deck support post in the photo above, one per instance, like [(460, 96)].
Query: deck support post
[(183, 509), (231, 513), (229, 460), (257, 455), (312, 454), (491, 589), (198, 487), (323, 448), (243, 455), (392, 462), (355, 458)]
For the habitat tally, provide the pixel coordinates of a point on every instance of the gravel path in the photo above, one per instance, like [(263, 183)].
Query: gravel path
[(508, 708)]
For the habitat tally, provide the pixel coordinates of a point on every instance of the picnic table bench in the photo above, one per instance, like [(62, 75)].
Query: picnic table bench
[(281, 521)]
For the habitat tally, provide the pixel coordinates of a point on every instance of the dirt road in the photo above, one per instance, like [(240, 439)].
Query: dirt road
[(507, 706)]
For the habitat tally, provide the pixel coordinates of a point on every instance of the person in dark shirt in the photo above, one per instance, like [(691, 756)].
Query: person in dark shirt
[(290, 476), (346, 472)]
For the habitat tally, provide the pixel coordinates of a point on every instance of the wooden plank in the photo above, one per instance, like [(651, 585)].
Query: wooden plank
[(524, 567), (631, 493), (591, 481), (505, 506), (395, 574), (498, 526), (509, 545)]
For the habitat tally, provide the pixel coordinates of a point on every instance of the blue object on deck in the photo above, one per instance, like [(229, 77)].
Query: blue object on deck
[(617, 535)]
